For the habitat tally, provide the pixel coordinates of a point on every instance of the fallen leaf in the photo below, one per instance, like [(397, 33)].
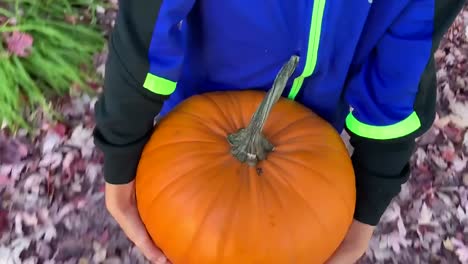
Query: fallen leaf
[(52, 160), (92, 171), (66, 209), (82, 138), (459, 163), (421, 156), (99, 255), (454, 133), (448, 93), (445, 198), (6, 169), (4, 180), (29, 219), (43, 249), (6, 255), (462, 215), (50, 141), (465, 179), (461, 251), (60, 129), (401, 228), (425, 217), (18, 246), (391, 214), (17, 170), (19, 43), (3, 221), (18, 225), (448, 244), (450, 59), (439, 161), (465, 141), (382, 254), (448, 153), (30, 260), (460, 114), (10, 151), (32, 182), (113, 260), (46, 233), (67, 161)]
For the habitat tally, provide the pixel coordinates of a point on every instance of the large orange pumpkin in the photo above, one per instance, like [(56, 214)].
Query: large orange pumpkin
[(201, 205)]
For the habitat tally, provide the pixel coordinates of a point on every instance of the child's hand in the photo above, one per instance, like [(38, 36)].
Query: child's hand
[(355, 244), (121, 204)]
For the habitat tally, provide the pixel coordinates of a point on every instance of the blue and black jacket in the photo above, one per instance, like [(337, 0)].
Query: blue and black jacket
[(375, 57)]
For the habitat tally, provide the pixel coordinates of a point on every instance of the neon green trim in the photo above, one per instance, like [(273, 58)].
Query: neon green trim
[(400, 129), (313, 47), (295, 87), (159, 85)]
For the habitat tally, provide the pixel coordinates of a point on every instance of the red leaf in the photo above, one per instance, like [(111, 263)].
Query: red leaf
[(453, 133), (104, 237), (60, 129), (19, 43), (448, 155), (11, 151), (3, 221), (4, 180)]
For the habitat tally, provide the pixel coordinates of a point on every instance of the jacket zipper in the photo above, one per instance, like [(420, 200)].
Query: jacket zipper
[(312, 47)]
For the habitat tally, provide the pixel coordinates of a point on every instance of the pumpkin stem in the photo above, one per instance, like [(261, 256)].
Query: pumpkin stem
[(249, 144)]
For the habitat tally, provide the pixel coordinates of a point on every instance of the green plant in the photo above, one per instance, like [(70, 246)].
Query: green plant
[(60, 55)]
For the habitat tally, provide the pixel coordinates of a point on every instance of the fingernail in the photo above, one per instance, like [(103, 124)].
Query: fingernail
[(161, 260)]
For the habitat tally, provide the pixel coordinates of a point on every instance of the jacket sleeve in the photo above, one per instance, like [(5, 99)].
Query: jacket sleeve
[(392, 98), (143, 66)]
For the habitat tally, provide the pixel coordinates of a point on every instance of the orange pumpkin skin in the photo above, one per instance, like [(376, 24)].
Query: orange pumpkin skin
[(202, 206)]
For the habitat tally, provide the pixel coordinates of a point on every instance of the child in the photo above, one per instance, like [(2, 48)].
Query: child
[(375, 57)]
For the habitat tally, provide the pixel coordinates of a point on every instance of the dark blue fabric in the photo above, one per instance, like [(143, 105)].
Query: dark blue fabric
[(371, 55)]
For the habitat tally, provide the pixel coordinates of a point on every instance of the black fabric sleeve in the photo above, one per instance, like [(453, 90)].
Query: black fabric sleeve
[(125, 110), (382, 166)]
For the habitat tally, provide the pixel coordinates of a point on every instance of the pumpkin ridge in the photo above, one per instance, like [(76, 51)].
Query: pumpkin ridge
[(181, 176), (239, 108), (306, 131), (303, 147), (168, 144), (277, 196), (194, 194), (220, 110), (229, 222), (316, 172), (204, 122), (197, 152), (201, 224), (291, 188), (287, 185), (281, 131)]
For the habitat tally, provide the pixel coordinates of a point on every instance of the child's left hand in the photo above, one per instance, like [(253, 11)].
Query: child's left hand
[(354, 245)]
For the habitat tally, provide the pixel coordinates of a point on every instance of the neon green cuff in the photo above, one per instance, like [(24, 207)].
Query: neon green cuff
[(400, 129), (159, 85)]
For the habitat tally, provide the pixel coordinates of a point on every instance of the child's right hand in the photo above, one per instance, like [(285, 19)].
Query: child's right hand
[(121, 204)]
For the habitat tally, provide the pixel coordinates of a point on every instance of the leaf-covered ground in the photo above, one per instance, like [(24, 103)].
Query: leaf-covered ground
[(51, 185)]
